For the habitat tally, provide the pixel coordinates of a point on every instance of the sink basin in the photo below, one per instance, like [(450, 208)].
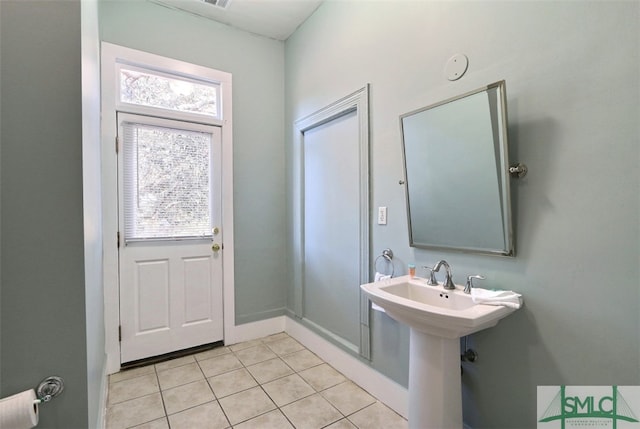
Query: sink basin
[(433, 309), (437, 318)]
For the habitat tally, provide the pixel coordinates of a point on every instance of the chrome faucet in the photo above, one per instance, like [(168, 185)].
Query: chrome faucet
[(447, 284), (469, 285), (431, 281)]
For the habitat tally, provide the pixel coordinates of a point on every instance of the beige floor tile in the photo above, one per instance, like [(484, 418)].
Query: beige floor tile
[(173, 363), (343, 424), (378, 416), (208, 354), (317, 397), (313, 412), (207, 416), (135, 412), (269, 370), (180, 375), (288, 389), (285, 346), (133, 388), (245, 405), (254, 355), (347, 397), (245, 345), (275, 337), (187, 396), (131, 373), (156, 424), (322, 377), (302, 360), (231, 382), (219, 365), (271, 420)]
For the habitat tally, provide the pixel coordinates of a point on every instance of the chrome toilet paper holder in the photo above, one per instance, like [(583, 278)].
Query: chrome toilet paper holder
[(48, 389)]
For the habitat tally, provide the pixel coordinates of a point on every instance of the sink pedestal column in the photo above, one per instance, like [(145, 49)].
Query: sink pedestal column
[(435, 393)]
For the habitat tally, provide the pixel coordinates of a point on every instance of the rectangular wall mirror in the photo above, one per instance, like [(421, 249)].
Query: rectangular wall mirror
[(457, 173)]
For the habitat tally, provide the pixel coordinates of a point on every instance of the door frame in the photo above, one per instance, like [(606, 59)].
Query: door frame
[(357, 102), (111, 55)]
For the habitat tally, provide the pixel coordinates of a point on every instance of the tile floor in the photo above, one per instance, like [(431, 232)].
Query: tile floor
[(270, 383)]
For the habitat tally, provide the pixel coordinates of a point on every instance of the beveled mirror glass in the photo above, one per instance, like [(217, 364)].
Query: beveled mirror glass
[(457, 173)]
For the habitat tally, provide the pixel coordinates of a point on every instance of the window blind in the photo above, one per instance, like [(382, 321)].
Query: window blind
[(167, 182)]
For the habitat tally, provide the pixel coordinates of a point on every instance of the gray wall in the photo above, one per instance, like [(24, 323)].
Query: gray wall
[(573, 80), (257, 66), (44, 325)]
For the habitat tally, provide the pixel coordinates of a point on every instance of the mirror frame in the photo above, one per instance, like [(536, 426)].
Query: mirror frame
[(503, 168)]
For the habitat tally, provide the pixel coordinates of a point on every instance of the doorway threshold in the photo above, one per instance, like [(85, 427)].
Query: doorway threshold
[(171, 355)]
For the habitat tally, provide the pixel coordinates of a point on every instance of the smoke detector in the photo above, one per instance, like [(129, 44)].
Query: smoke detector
[(222, 4)]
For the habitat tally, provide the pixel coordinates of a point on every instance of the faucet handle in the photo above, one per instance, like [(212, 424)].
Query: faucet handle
[(431, 281), (469, 285)]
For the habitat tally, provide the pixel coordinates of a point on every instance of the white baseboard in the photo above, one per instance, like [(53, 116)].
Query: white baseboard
[(251, 331), (383, 388)]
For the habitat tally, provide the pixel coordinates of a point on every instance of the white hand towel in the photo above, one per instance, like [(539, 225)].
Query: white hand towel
[(506, 298), (379, 277)]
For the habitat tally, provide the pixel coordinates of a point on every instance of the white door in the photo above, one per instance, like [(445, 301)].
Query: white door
[(169, 187)]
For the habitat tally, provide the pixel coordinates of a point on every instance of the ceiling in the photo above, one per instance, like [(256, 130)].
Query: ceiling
[(276, 19)]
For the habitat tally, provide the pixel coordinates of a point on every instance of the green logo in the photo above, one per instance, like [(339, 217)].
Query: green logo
[(584, 406)]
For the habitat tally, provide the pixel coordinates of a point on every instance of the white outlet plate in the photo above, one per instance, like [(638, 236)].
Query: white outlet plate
[(382, 215)]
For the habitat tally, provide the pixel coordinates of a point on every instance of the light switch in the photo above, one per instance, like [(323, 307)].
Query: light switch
[(382, 215)]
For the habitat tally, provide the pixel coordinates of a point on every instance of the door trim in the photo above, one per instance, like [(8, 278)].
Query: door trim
[(357, 102), (111, 54)]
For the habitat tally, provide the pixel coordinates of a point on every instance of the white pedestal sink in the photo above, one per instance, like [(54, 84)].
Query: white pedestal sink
[(437, 319)]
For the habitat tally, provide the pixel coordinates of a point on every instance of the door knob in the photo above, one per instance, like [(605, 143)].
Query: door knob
[(215, 247)]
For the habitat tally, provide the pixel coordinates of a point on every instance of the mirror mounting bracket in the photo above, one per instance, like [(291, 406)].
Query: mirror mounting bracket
[(518, 171)]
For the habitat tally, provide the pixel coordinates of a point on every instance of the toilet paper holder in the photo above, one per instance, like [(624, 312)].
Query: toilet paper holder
[(48, 389)]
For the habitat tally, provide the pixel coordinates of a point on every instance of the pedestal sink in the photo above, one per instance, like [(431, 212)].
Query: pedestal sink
[(437, 319)]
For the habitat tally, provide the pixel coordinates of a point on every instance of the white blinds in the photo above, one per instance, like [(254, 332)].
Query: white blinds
[(167, 182)]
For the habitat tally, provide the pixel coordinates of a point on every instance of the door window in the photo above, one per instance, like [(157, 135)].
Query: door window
[(167, 182)]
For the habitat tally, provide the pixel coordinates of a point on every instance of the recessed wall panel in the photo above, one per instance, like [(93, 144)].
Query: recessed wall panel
[(332, 227)]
